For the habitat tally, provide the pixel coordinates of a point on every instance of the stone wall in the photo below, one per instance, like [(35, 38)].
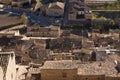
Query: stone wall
[(91, 77), (5, 0), (96, 77), (65, 74), (50, 74), (112, 78), (37, 31)]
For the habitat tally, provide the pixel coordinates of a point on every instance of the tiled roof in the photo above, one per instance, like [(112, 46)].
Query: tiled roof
[(6, 19), (62, 64), (60, 4), (106, 68)]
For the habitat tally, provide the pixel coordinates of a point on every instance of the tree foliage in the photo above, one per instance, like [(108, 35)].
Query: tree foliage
[(24, 19), (112, 23), (109, 6)]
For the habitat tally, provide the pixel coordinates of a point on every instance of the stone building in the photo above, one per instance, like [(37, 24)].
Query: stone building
[(99, 70), (37, 31), (75, 70), (99, 1), (61, 56), (21, 72), (78, 10), (34, 71), (55, 9), (7, 66), (5, 1), (65, 44), (59, 70)]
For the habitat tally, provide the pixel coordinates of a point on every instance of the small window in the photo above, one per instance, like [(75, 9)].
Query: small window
[(86, 78), (98, 78), (64, 74), (26, 52), (12, 55)]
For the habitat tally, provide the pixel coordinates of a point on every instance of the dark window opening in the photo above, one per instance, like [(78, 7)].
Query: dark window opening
[(86, 78), (36, 77), (12, 55), (64, 74), (26, 52), (98, 78)]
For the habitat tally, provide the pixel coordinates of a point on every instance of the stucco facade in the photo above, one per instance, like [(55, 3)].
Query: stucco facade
[(11, 69), (1, 74)]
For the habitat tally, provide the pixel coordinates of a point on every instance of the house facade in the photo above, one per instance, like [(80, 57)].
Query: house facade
[(59, 70), (8, 66), (70, 70), (55, 9)]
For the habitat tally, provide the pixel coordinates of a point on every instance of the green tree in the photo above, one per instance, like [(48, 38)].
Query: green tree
[(24, 18), (112, 23), (106, 4)]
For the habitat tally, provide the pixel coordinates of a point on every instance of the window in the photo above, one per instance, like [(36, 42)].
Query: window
[(98, 78), (12, 55), (86, 78), (64, 74)]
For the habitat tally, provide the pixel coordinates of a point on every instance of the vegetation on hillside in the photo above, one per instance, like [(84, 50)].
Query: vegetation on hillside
[(95, 17), (108, 6)]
